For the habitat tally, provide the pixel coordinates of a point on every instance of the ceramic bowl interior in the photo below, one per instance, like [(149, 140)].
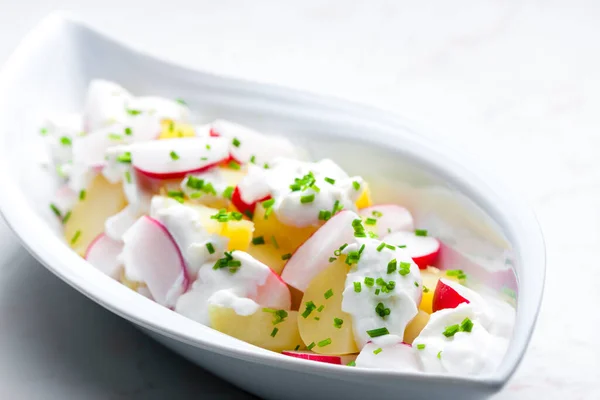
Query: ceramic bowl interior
[(484, 228)]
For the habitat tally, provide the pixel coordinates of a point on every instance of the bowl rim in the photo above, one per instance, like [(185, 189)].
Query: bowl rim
[(64, 263)]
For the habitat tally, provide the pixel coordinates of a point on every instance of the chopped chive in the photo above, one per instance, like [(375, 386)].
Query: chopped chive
[(324, 342), (328, 294), (208, 147), (466, 325), (66, 217), (321, 308), (75, 237), (228, 192), (253, 159), (266, 166), (404, 268), (174, 156), (324, 215), (274, 331), (420, 346), (317, 319), (382, 310), (420, 232), (310, 346), (332, 259), (310, 306), (357, 287), (115, 136), (451, 330), (124, 158), (378, 332), (369, 281), (351, 364), (176, 195), (43, 131), (425, 289), (258, 240), (181, 101), (132, 111), (377, 292), (392, 265), (329, 180), (128, 131), (66, 141), (338, 252), (224, 216), (55, 210), (389, 246), (338, 322), (381, 246), (210, 248), (370, 221), (286, 256), (82, 194), (356, 185), (234, 165), (377, 214), (236, 142), (297, 347), (274, 242), (401, 246), (439, 355), (128, 176), (309, 198), (459, 273), (359, 229), (377, 351), (416, 284)]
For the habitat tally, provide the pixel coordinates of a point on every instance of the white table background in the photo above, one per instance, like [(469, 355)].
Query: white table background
[(515, 82)]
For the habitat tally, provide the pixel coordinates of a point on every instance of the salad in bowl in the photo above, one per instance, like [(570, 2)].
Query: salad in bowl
[(241, 231)]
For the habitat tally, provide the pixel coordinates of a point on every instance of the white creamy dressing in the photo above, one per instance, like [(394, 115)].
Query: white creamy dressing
[(390, 353), (466, 353), (289, 208), (215, 178), (224, 288), (402, 300), (60, 131), (189, 230)]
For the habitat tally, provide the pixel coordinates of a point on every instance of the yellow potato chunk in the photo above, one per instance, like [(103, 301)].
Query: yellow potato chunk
[(268, 255), (430, 278), (330, 329), (415, 326), (170, 129), (239, 234), (364, 200), (258, 329), (102, 200), (287, 238)]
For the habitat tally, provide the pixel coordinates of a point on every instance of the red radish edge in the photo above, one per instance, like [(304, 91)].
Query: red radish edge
[(284, 287), (446, 297), (175, 175), (429, 259), (242, 206), (324, 358), (92, 243), (186, 278)]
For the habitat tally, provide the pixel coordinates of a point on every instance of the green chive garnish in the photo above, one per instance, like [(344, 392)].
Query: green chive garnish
[(329, 180), (309, 198), (338, 322), (420, 346), (66, 217), (378, 332), (466, 325), (128, 131), (310, 346), (181, 101), (75, 237), (370, 221), (439, 355), (381, 246), (356, 185), (82, 194), (377, 351), (328, 294), (55, 210), (124, 158), (274, 242), (210, 248), (352, 363), (392, 265), (274, 331), (234, 165), (310, 306), (357, 287), (236, 142), (128, 177), (66, 141), (404, 268), (421, 232), (451, 330), (228, 192), (174, 156), (286, 256), (332, 259), (258, 240), (324, 342), (369, 281)]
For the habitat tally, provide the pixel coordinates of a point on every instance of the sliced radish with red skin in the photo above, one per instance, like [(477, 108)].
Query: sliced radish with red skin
[(176, 158), (324, 358), (150, 255), (103, 254), (274, 293), (313, 255), (242, 206), (445, 296), (393, 218), (424, 250)]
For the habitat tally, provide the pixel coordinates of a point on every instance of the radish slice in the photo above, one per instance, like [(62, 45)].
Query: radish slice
[(103, 254), (150, 255), (243, 207), (250, 144), (324, 358), (116, 226), (274, 293), (313, 255), (445, 296), (390, 218), (424, 250), (176, 158)]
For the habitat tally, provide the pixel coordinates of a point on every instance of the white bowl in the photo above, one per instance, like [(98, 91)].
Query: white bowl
[(450, 195)]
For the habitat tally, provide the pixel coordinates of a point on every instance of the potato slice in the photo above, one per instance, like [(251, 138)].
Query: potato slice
[(320, 327), (170, 129), (258, 329), (268, 255), (102, 200), (287, 238), (364, 200), (415, 326)]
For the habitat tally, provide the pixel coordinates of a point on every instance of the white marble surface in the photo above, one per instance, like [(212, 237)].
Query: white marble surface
[(516, 82)]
